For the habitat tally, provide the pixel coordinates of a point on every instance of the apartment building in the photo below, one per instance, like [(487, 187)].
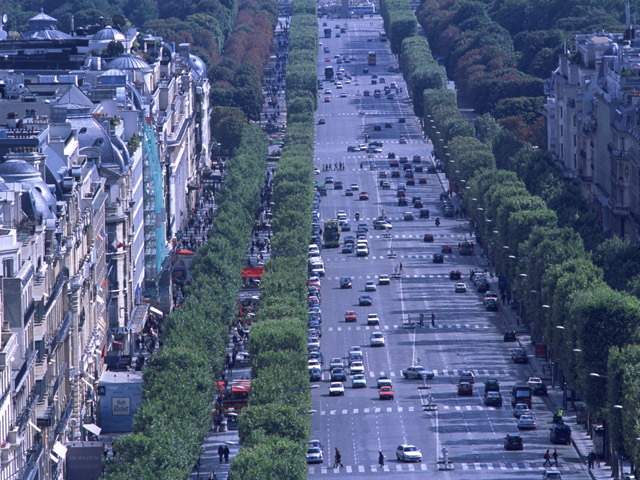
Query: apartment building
[(593, 125), (99, 169)]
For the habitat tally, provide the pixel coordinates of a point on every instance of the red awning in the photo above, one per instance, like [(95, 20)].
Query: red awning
[(252, 272), (182, 251)]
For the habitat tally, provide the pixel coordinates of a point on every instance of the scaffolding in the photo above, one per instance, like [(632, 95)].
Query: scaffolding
[(154, 212)]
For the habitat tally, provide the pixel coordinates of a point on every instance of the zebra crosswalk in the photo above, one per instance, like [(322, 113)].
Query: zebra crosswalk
[(396, 468)]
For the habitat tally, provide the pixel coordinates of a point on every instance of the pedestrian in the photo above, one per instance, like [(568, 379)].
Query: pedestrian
[(547, 458), (220, 450), (381, 458), (422, 319), (504, 298), (591, 459), (433, 319), (226, 454), (337, 460), (401, 268), (555, 456), (212, 475)]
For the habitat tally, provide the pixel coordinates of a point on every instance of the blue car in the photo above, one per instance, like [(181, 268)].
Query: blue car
[(365, 301)]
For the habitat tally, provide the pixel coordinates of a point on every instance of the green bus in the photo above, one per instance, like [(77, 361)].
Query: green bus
[(331, 234)]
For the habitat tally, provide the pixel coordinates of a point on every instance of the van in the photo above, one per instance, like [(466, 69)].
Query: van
[(560, 434), (521, 393)]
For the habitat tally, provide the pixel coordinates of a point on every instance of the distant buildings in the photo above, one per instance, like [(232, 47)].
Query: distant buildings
[(99, 170), (593, 125)]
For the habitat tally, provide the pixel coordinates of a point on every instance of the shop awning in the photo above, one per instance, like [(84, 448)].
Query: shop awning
[(93, 428)]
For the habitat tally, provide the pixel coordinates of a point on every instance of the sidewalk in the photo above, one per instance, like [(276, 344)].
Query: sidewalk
[(258, 254), (581, 441)]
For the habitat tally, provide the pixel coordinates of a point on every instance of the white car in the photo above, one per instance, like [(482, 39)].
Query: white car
[(408, 453), (341, 215), (343, 95), (355, 348), (362, 251), (336, 363), (314, 363), (336, 388), (377, 339), (461, 288), (315, 455), (370, 286), (384, 280), (521, 409), (316, 171), (383, 381), (534, 382), (359, 381), (356, 368), (373, 319), (526, 422), (354, 187)]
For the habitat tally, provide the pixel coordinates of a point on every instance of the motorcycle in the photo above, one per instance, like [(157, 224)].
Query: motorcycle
[(437, 221), (357, 216)]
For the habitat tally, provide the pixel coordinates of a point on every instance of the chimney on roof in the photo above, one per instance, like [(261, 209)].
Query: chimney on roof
[(184, 49)]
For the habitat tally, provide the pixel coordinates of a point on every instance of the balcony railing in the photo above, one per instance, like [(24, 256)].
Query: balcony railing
[(24, 369), (26, 411), (61, 375), (62, 423)]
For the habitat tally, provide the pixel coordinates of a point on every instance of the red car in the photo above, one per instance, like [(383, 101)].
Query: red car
[(445, 249), (411, 181), (428, 237), (422, 180), (364, 196), (386, 393), (394, 163), (327, 99), (350, 316)]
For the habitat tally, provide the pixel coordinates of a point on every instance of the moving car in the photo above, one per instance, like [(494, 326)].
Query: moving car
[(519, 355), (428, 237), (336, 388), (551, 475), (527, 422), (513, 441), (345, 282), (384, 280), (467, 376), (445, 249), (438, 258), (521, 409), (370, 286), (315, 374), (385, 393), (493, 399), (336, 362), (365, 301), (364, 196), (465, 389), (350, 316), (373, 319), (358, 381), (383, 381), (356, 368), (538, 386), (408, 215), (510, 336), (408, 453), (417, 371), (338, 374), (491, 385), (461, 288), (377, 339), (402, 141)]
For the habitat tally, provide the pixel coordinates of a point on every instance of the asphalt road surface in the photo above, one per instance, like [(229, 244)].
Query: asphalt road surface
[(465, 336)]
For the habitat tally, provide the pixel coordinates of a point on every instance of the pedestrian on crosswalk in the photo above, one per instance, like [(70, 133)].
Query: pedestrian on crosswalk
[(337, 460), (381, 458), (433, 319), (555, 456), (547, 458)]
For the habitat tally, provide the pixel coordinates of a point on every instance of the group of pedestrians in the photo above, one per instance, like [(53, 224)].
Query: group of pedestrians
[(548, 456), (336, 166)]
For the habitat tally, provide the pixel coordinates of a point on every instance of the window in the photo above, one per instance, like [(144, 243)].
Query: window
[(7, 267)]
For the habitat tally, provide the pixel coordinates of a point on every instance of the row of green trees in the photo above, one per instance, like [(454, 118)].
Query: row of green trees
[(399, 22), (236, 78), (534, 224), (274, 427), (179, 381)]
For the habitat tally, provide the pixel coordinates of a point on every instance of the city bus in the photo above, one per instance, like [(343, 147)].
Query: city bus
[(331, 234), (371, 59)]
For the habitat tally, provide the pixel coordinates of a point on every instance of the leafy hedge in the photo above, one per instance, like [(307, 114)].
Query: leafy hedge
[(274, 427), (179, 381)]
